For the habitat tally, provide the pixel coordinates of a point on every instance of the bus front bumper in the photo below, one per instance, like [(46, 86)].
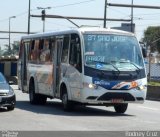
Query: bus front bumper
[(103, 96)]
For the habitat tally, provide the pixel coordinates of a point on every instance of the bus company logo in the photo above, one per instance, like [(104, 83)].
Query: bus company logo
[(99, 66), (101, 83), (9, 134)]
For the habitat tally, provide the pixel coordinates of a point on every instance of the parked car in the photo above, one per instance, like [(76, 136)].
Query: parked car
[(7, 95)]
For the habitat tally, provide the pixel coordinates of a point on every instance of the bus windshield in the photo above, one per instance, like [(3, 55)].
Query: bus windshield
[(112, 52)]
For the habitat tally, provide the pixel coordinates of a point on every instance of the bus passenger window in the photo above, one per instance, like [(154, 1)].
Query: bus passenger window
[(75, 52), (45, 52), (52, 48), (35, 50), (21, 49), (41, 45), (31, 49)]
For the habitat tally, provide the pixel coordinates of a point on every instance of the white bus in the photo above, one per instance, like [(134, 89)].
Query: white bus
[(90, 66)]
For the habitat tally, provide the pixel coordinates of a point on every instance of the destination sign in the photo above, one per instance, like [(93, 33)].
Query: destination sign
[(106, 38)]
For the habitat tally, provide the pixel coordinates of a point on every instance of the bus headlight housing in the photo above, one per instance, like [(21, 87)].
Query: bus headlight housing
[(90, 85), (141, 87)]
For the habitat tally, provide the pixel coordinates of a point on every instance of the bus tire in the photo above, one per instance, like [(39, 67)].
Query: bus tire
[(33, 97), (67, 105), (121, 108), (42, 99)]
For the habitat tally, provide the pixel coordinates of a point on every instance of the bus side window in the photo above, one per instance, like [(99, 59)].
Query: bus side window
[(75, 52), (35, 51), (31, 49), (52, 48), (45, 51), (65, 49), (21, 49), (41, 45)]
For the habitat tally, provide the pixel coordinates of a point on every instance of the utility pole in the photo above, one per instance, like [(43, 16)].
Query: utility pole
[(29, 10), (105, 13), (9, 44), (132, 17), (43, 15)]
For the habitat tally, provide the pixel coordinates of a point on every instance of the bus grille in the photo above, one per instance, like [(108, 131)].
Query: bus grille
[(110, 95)]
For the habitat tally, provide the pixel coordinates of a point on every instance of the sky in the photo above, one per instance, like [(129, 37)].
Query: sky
[(84, 8)]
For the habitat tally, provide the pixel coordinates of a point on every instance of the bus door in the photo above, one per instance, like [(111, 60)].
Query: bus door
[(22, 67), (58, 49), (75, 68)]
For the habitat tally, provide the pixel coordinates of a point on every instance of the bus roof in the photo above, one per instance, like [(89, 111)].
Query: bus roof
[(79, 30)]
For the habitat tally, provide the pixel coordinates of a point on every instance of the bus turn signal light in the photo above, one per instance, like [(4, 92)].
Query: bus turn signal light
[(134, 84)]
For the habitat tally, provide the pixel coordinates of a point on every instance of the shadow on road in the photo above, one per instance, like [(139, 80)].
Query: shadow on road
[(3, 110), (56, 108)]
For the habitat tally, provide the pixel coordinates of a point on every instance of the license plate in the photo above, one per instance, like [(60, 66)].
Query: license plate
[(117, 100)]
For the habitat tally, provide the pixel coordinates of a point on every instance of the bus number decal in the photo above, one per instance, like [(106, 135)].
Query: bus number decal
[(95, 58)]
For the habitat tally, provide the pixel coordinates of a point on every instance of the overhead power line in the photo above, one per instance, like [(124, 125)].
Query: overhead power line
[(18, 32), (72, 4)]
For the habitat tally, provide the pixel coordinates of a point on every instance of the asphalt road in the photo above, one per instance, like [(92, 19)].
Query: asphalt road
[(51, 117)]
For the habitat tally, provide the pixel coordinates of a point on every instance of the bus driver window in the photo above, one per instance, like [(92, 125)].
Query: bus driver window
[(75, 52)]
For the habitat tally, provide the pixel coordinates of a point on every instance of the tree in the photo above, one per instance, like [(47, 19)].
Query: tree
[(7, 50), (14, 49), (150, 35)]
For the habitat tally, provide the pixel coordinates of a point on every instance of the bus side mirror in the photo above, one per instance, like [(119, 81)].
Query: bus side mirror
[(143, 48), (144, 52)]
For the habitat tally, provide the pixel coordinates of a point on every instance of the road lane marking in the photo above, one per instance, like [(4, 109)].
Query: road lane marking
[(155, 109)]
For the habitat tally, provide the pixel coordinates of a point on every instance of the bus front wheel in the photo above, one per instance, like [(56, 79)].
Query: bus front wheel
[(67, 105), (121, 108)]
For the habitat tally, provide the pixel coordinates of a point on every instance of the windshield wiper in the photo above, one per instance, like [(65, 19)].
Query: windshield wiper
[(137, 70), (109, 64)]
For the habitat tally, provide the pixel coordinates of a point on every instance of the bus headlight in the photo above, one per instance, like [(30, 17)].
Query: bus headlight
[(141, 87), (90, 85)]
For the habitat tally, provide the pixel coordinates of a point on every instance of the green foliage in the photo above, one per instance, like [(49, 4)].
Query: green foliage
[(13, 50), (150, 35), (152, 83)]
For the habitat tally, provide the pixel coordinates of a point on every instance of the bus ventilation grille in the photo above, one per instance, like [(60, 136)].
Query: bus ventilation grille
[(110, 95)]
